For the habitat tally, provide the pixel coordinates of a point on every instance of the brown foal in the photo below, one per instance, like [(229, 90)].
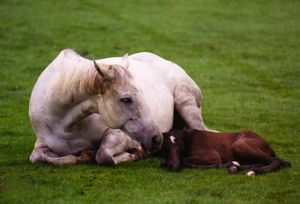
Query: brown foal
[(204, 149)]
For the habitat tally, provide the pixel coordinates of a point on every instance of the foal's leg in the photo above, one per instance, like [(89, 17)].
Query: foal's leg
[(243, 151), (232, 166)]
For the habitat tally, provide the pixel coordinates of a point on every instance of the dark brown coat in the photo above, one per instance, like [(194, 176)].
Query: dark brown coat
[(204, 149)]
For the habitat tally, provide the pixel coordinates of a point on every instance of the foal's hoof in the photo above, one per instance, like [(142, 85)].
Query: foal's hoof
[(233, 169), (250, 173), (235, 163)]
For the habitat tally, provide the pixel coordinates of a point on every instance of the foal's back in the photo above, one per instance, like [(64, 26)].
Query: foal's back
[(199, 141), (206, 139)]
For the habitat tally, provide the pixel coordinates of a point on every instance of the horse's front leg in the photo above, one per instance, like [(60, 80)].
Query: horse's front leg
[(187, 99), (80, 112), (117, 147), (86, 156)]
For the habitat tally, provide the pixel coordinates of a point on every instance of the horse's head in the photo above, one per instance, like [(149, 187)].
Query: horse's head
[(121, 105)]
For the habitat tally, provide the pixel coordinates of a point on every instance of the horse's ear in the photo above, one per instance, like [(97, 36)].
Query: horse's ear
[(125, 61), (105, 71), (98, 69)]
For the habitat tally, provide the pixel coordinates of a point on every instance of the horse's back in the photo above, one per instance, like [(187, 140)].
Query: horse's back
[(160, 65), (149, 63)]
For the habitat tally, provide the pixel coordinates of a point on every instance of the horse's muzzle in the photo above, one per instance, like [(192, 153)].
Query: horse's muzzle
[(156, 142), (151, 144)]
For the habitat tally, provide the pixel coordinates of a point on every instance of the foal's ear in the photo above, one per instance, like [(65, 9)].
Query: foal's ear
[(125, 61), (105, 71)]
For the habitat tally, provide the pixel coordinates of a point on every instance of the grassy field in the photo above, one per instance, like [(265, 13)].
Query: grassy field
[(245, 56)]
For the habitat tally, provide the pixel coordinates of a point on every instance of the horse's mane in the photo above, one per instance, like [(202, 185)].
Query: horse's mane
[(79, 78)]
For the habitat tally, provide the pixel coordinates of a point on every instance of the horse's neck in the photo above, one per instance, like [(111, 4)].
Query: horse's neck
[(78, 83)]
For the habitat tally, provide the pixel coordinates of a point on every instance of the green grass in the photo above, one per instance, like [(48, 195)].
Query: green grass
[(243, 54)]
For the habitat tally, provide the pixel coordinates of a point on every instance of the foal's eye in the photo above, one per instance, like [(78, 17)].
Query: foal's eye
[(126, 100)]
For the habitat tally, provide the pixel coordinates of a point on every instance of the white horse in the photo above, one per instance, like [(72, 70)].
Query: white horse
[(112, 109)]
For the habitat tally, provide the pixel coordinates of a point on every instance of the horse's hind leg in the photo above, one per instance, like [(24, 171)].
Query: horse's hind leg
[(43, 154), (85, 156), (46, 155), (187, 99)]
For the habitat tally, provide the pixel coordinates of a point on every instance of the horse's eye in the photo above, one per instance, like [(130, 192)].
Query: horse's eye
[(126, 100)]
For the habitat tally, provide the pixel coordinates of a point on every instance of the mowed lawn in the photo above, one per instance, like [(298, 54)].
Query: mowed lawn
[(245, 56)]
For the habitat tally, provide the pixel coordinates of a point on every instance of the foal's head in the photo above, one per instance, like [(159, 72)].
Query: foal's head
[(172, 148)]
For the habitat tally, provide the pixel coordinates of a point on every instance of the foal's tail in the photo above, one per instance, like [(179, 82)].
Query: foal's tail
[(274, 165)]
